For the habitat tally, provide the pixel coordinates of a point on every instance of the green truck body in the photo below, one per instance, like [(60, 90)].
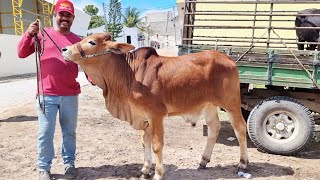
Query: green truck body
[(279, 84)]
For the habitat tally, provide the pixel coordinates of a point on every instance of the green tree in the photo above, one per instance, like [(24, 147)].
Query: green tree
[(91, 10), (96, 20), (131, 18), (114, 18)]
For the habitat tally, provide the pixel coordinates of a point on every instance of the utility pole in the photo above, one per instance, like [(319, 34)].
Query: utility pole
[(174, 26), (104, 5), (167, 22), (167, 28)]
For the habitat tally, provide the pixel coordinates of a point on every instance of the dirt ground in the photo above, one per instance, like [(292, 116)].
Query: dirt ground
[(108, 148)]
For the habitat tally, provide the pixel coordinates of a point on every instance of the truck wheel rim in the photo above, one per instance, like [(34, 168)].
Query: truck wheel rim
[(280, 125)]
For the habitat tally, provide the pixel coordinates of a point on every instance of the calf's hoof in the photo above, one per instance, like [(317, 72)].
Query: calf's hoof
[(243, 166), (157, 177), (144, 176), (203, 163), (202, 166)]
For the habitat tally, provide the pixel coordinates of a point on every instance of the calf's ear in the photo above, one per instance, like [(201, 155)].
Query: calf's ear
[(120, 48), (107, 36)]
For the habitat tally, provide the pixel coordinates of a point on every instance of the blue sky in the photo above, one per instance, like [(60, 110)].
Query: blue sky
[(142, 5)]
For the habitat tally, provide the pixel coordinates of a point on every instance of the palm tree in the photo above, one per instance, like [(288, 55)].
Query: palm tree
[(131, 18)]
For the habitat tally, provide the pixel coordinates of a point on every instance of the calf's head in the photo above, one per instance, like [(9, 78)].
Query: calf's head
[(95, 45)]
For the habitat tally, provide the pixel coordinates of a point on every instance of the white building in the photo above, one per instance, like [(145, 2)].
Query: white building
[(131, 36)]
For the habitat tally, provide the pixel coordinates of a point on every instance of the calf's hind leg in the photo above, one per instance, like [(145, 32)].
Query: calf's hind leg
[(157, 132), (240, 129), (214, 124)]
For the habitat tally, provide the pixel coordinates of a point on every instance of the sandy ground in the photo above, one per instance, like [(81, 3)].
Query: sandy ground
[(111, 149)]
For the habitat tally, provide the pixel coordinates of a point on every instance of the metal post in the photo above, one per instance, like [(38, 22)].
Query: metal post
[(184, 28), (36, 4), (17, 16), (254, 22), (270, 23), (0, 24), (316, 62), (46, 9), (52, 7), (167, 22), (271, 59), (104, 5), (174, 26)]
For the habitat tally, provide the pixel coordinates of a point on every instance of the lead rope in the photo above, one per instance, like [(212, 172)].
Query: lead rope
[(39, 48), (42, 30)]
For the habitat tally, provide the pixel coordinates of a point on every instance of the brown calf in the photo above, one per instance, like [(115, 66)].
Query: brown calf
[(142, 88)]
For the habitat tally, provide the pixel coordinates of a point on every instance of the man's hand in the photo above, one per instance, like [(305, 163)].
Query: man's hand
[(33, 28)]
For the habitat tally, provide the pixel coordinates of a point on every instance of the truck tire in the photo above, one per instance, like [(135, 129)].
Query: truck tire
[(280, 125)]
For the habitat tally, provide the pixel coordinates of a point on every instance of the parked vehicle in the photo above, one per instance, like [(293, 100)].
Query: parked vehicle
[(279, 83)]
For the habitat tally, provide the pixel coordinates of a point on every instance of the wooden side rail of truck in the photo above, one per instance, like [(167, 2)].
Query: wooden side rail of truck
[(279, 84)]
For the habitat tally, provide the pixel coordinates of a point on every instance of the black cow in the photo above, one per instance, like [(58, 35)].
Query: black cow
[(308, 35)]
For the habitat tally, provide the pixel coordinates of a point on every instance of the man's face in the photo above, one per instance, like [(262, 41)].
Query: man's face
[(64, 19)]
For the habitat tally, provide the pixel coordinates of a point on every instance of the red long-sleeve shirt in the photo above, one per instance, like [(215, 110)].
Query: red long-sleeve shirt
[(58, 76)]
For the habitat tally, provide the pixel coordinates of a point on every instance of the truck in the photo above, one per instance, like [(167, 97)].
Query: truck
[(279, 84)]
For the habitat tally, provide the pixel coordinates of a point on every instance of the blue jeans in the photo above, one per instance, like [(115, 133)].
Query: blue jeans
[(68, 113)]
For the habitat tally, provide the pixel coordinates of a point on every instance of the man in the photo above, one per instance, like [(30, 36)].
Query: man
[(60, 89)]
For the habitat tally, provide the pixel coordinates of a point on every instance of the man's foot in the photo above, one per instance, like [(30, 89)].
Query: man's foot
[(44, 175), (71, 172)]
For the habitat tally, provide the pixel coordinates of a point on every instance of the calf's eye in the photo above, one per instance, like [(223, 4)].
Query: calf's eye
[(92, 43)]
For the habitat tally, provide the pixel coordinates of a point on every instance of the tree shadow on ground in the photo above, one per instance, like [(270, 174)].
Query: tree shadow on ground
[(20, 118), (131, 171)]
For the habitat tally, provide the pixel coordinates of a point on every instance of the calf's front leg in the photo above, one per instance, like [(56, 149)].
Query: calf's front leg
[(146, 142)]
